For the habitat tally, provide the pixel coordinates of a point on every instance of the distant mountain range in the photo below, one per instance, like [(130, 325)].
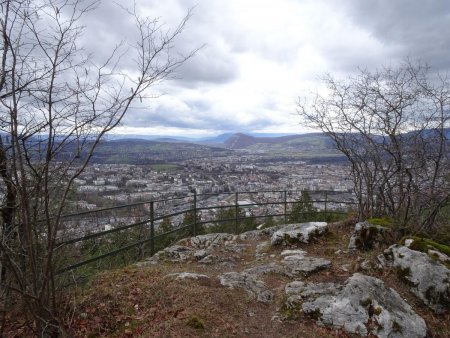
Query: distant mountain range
[(138, 151), (173, 149), (135, 150), (170, 138), (311, 140), (233, 140)]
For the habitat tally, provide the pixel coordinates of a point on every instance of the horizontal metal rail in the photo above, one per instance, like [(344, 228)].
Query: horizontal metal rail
[(193, 226)]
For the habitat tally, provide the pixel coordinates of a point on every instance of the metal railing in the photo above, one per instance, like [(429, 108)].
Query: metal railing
[(275, 203)]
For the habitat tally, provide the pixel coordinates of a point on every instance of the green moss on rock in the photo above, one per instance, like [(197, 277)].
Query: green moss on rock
[(291, 310), (403, 274), (424, 244), (366, 302), (368, 237), (396, 327), (377, 310), (316, 314)]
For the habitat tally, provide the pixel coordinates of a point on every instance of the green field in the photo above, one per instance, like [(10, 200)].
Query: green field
[(165, 167)]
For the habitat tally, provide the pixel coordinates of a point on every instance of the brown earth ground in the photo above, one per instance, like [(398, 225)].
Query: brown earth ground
[(143, 302)]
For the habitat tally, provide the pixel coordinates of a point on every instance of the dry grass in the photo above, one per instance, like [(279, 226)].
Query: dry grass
[(141, 302)]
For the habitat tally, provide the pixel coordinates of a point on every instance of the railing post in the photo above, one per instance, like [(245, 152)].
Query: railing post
[(152, 228), (326, 199), (194, 230), (236, 212), (285, 207)]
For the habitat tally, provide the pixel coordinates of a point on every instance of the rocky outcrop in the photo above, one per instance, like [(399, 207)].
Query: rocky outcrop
[(299, 291), (296, 252), (187, 275), (248, 282), (366, 236), (210, 240), (428, 279), (298, 233), (303, 266), (261, 249), (438, 251), (265, 269), (200, 254), (363, 305), (174, 254), (257, 234)]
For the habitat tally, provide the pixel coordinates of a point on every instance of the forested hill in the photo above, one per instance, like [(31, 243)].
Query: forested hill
[(137, 151), (312, 141)]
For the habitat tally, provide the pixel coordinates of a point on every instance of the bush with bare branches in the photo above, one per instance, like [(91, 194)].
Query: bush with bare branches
[(56, 104), (393, 127)]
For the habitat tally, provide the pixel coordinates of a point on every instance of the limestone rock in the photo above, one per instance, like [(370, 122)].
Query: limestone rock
[(298, 233), (257, 234), (293, 252), (363, 305), (200, 254), (265, 269), (236, 248), (210, 240), (271, 230), (366, 236), (262, 248), (381, 261), (187, 275), (300, 265), (254, 287), (209, 259), (306, 290), (439, 255), (251, 235), (428, 279), (175, 253), (365, 265)]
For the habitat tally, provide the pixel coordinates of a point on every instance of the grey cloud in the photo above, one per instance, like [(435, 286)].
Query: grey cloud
[(210, 66), (106, 27), (348, 60), (215, 62), (199, 105), (417, 29), (200, 115), (110, 25)]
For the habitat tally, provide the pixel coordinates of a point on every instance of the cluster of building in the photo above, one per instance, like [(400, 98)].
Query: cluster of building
[(215, 182), (107, 184)]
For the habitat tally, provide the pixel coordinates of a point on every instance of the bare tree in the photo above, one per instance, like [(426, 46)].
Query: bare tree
[(56, 104), (392, 125)]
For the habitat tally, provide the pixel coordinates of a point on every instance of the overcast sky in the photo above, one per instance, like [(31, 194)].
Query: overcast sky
[(261, 55)]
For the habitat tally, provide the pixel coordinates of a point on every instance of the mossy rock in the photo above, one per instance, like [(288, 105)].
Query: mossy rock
[(396, 327), (367, 236), (366, 302), (403, 274), (316, 314), (424, 244), (291, 311)]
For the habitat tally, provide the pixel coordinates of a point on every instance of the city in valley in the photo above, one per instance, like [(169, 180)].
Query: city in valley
[(215, 174)]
